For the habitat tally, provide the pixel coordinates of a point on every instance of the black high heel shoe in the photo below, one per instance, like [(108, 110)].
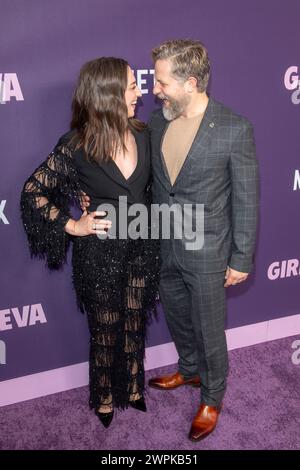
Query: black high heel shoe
[(105, 418), (139, 404)]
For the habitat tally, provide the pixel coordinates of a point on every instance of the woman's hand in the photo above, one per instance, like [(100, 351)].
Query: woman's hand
[(88, 224), (84, 201)]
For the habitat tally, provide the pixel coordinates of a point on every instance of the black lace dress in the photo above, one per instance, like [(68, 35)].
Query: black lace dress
[(116, 280)]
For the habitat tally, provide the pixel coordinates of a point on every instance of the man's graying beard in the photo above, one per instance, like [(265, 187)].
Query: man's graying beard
[(176, 107)]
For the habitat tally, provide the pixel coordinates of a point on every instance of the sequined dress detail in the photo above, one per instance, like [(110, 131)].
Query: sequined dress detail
[(115, 280)]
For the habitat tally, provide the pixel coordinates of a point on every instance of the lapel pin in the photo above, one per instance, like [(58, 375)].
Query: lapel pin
[(211, 124)]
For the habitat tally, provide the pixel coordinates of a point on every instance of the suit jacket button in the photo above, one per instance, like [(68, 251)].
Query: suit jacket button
[(172, 194)]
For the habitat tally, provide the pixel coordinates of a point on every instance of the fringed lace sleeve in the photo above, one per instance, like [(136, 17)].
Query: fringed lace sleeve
[(45, 206)]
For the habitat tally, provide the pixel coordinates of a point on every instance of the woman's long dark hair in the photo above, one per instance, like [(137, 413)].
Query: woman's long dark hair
[(99, 110)]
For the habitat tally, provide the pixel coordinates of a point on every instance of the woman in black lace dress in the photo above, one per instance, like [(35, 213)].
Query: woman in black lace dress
[(106, 154)]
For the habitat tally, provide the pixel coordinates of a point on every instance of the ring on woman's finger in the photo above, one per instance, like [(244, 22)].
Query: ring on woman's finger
[(94, 226)]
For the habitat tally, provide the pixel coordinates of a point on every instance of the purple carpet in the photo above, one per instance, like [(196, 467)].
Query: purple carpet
[(261, 411)]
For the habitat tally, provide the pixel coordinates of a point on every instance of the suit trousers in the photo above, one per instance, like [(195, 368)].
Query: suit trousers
[(195, 308)]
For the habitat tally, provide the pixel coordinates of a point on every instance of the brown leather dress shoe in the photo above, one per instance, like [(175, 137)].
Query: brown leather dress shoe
[(204, 422), (169, 382)]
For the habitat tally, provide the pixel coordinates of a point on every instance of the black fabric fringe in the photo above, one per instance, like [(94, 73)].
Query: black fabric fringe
[(116, 282), (55, 180)]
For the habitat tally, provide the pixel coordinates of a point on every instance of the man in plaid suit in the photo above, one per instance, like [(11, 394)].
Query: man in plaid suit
[(202, 153)]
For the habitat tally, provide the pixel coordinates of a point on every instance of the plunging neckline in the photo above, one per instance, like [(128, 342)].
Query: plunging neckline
[(137, 161)]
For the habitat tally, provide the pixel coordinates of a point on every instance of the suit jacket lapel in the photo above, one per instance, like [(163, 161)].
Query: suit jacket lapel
[(163, 130), (112, 170), (141, 146), (201, 140)]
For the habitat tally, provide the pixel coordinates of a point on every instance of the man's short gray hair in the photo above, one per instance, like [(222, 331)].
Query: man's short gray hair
[(189, 59)]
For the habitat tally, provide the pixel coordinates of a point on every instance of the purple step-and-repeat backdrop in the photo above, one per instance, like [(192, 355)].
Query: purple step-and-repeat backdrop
[(255, 57)]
